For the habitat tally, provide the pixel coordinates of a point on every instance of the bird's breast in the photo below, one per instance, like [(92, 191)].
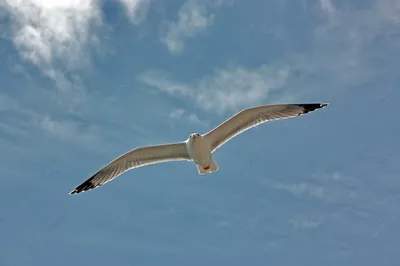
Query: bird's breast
[(199, 150)]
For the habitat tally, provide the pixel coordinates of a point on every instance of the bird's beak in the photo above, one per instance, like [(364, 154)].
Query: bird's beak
[(194, 137)]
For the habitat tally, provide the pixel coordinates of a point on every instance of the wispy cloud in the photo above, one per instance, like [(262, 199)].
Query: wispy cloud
[(224, 90), (348, 46), (357, 27), (69, 131), (6, 103), (326, 187), (301, 189), (195, 119), (194, 18), (136, 10), (328, 8), (305, 223), (345, 48), (25, 122), (180, 114), (54, 35), (176, 114)]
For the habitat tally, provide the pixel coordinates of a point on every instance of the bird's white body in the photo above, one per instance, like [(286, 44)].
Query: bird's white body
[(200, 152), (197, 148)]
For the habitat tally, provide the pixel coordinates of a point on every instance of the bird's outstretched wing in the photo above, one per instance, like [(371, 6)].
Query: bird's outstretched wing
[(254, 116), (135, 158)]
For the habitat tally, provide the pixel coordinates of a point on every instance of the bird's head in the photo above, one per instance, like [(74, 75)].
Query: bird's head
[(194, 136)]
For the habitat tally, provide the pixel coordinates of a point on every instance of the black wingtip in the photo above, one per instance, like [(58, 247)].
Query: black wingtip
[(309, 107), (85, 186)]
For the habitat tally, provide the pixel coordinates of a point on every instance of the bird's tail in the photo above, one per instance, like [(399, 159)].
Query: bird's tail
[(207, 169)]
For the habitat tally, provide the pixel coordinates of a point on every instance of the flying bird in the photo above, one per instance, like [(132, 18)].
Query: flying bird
[(198, 148)]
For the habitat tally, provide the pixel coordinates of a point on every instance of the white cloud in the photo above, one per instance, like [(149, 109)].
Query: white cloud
[(347, 46), (24, 122), (302, 188), (328, 8), (180, 114), (54, 35), (359, 26), (194, 18), (176, 114), (195, 119), (136, 10), (334, 176), (226, 90), (304, 223), (327, 187), (349, 33), (6, 103), (66, 130), (63, 130)]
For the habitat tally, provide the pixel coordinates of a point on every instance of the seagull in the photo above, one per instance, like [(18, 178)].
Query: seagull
[(198, 148)]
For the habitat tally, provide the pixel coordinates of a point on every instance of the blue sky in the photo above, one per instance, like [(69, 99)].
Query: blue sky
[(85, 81)]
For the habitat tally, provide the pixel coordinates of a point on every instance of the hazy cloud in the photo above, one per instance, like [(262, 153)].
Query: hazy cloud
[(21, 120), (54, 35), (326, 187), (304, 223), (68, 130), (224, 90), (176, 114), (345, 46), (302, 188), (328, 8), (194, 17), (136, 10), (180, 114)]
